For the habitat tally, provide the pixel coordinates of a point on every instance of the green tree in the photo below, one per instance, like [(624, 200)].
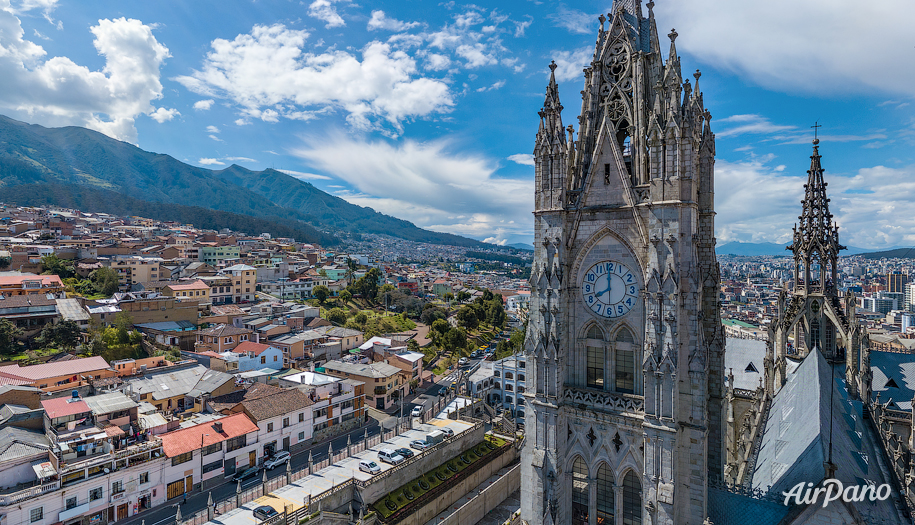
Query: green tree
[(488, 295), (495, 313), (430, 315), (412, 345), (336, 316), (321, 292), (455, 339), (467, 317), (105, 280), (53, 265), (5, 262), (448, 297), (463, 296), (345, 296), (439, 328), (8, 334), (64, 334)]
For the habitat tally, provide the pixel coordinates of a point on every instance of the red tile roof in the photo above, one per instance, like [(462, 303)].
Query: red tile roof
[(73, 367), (196, 285), (61, 406), (46, 280), (191, 438), (250, 346)]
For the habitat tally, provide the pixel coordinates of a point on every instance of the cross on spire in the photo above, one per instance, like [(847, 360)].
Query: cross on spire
[(816, 127)]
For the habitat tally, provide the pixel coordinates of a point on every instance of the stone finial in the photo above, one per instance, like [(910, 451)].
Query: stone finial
[(672, 35), (602, 19), (553, 65), (697, 74)]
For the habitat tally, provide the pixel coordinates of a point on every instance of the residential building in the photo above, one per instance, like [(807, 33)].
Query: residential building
[(57, 375), (896, 281), (339, 404), (204, 454), (197, 291), (221, 338), (212, 255), (30, 312), (248, 356), (221, 290), (135, 269), (143, 307), (441, 287), (244, 281), (182, 390), (348, 337), (283, 415), (14, 283), (384, 383), (509, 381)]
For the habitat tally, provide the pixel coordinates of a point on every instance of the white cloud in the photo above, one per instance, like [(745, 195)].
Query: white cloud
[(380, 21), (843, 52), (759, 203), (203, 105), (753, 124), (574, 21), (325, 10), (383, 85), (211, 162), (459, 192), (241, 122), (217, 139), (496, 241), (212, 129), (240, 159), (475, 55), (521, 27), (437, 62), (569, 64), (56, 91), (525, 159), (305, 176), (161, 115), (494, 86)]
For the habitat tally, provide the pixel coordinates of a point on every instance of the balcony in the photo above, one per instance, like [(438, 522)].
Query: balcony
[(609, 401), (28, 493)]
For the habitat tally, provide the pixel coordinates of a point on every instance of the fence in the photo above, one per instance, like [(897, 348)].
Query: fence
[(247, 495)]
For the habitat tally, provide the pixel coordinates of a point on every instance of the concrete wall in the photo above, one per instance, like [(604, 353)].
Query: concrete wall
[(405, 472), (492, 496), (458, 491)]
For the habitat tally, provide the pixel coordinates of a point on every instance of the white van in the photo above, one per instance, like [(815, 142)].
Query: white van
[(391, 456)]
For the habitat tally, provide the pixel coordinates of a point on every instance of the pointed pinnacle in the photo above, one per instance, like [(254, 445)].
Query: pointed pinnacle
[(673, 35), (553, 65)]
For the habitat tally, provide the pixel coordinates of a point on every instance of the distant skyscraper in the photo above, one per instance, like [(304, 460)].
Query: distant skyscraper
[(896, 281)]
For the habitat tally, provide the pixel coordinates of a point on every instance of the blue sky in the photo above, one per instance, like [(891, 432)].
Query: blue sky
[(427, 111)]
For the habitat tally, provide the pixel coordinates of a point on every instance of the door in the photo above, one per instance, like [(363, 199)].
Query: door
[(122, 511), (175, 489), (252, 458), (286, 443), (229, 465), (189, 484)]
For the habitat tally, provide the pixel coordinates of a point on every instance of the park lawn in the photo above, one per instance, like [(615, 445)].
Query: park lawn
[(405, 494)]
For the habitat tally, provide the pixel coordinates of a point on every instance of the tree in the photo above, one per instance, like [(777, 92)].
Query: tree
[(412, 345), (64, 334), (448, 297), (440, 327), (8, 334), (361, 318), (53, 265), (345, 296), (462, 296), (430, 315), (351, 267), (495, 313), (336, 316), (5, 262), (455, 339), (321, 292), (488, 295), (467, 317), (105, 280)]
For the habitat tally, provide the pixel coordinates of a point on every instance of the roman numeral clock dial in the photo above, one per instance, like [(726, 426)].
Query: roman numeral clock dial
[(609, 289)]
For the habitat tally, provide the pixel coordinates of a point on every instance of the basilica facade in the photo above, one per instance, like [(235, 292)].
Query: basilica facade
[(624, 344)]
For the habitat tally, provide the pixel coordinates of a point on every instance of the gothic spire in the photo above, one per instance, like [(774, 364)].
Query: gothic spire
[(551, 130), (816, 229)]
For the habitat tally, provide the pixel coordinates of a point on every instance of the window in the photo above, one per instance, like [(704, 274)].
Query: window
[(95, 494), (301, 417), (496, 373), (274, 359), (182, 458), (269, 427), (595, 367), (521, 365), (625, 362), (520, 377), (604, 494), (632, 500), (209, 449), (210, 467), (508, 387), (36, 514), (509, 375), (508, 399), (263, 359), (71, 502), (117, 487), (301, 436), (285, 422), (579, 492), (235, 443), (144, 478)]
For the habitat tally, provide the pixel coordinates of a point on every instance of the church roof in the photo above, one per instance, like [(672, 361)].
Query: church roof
[(745, 358), (894, 378), (810, 409)]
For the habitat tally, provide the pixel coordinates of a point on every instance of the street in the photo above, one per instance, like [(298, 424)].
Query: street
[(165, 513)]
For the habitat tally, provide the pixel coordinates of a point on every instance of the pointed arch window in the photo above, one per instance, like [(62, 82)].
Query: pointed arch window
[(595, 358), (579, 492), (624, 367), (632, 499), (605, 495)]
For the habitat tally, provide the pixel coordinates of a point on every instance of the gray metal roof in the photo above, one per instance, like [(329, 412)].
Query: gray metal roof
[(189, 381), (71, 310), (108, 403), (18, 443), (894, 378), (810, 409), (745, 358), (211, 380), (363, 370)]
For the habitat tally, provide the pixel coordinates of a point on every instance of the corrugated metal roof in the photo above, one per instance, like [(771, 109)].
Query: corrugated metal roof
[(71, 310), (107, 403)]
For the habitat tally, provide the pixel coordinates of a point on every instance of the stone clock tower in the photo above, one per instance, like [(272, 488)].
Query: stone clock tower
[(624, 346)]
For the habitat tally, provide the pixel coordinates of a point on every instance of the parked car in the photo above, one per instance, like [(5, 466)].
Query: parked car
[(278, 459), (369, 466), (405, 452), (248, 473), (447, 431), (419, 444), (463, 361), (417, 411), (265, 512), (389, 455)]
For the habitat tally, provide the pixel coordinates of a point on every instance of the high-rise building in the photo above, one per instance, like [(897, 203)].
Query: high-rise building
[(896, 281), (624, 344)]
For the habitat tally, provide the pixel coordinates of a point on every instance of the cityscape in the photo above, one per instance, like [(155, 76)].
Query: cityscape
[(351, 300)]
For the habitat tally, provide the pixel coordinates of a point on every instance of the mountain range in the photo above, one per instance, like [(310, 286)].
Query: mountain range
[(79, 168), (750, 249)]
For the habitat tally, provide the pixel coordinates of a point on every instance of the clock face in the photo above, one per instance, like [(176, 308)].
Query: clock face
[(609, 289)]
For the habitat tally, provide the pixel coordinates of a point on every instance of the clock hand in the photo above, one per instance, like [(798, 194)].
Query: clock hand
[(608, 288)]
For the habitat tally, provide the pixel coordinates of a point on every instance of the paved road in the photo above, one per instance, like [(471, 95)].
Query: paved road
[(165, 514)]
